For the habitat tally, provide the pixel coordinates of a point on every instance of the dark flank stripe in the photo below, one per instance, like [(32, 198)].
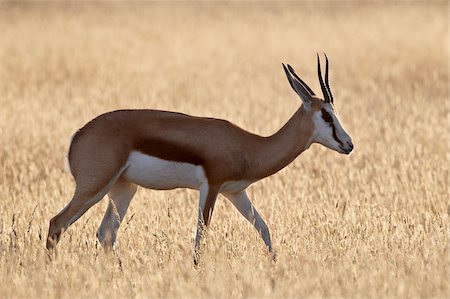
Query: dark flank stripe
[(170, 151)]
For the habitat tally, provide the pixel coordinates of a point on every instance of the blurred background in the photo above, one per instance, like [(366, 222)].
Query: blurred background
[(374, 224)]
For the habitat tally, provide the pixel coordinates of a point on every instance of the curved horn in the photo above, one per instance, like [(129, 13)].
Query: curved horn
[(322, 85), (291, 69), (326, 79)]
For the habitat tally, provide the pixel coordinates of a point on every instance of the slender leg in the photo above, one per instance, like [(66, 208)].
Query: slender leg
[(79, 204), (208, 195), (83, 199), (120, 197), (241, 201)]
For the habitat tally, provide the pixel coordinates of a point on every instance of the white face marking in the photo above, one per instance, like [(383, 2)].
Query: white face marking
[(154, 173), (323, 132)]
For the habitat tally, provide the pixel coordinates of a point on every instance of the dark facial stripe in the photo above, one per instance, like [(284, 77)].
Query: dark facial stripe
[(334, 134), (326, 116), (329, 119)]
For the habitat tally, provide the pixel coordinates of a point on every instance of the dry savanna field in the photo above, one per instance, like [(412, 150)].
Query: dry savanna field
[(372, 224)]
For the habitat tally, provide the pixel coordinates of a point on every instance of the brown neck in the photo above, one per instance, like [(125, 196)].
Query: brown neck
[(280, 149)]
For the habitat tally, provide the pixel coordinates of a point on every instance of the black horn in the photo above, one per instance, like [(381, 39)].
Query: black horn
[(322, 85), (326, 79)]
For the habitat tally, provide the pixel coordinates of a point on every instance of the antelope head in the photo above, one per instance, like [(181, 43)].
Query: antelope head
[(328, 129)]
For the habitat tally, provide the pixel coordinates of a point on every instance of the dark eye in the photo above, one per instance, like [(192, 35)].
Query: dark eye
[(326, 116)]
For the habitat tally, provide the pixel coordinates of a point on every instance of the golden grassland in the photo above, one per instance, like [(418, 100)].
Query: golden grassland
[(373, 224)]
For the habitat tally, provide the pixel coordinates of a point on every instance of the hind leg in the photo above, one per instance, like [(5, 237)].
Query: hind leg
[(120, 196), (79, 204), (86, 195)]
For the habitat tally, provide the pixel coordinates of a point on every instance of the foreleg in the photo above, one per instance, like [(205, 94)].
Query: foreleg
[(243, 204)]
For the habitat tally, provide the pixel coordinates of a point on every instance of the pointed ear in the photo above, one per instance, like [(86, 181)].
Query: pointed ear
[(298, 87)]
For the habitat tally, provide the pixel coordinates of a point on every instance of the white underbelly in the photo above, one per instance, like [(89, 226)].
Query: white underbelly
[(154, 173)]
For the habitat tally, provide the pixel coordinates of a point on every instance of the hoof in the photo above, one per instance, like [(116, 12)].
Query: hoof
[(196, 258)]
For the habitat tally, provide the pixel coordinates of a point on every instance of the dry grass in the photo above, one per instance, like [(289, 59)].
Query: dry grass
[(369, 225)]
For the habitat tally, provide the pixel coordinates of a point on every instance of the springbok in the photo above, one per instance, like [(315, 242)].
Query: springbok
[(119, 150)]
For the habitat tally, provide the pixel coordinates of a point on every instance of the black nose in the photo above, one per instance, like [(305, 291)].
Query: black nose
[(350, 144)]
